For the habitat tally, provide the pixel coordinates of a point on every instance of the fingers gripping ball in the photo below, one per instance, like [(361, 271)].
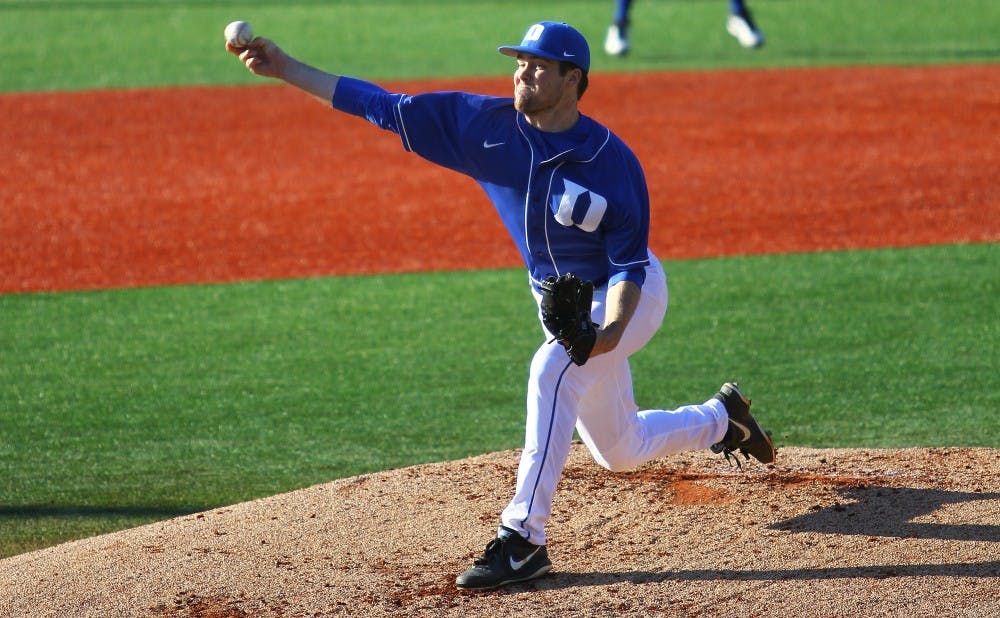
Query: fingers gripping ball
[(239, 33), (565, 308)]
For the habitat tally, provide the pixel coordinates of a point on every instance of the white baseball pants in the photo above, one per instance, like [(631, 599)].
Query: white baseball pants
[(597, 400)]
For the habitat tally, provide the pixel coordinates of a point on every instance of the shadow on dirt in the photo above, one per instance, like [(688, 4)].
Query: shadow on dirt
[(891, 511), (951, 569)]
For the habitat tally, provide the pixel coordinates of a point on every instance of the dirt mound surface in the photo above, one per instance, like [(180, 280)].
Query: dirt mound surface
[(821, 533)]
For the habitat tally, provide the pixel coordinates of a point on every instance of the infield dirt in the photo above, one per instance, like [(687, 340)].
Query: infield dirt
[(149, 187), (132, 188)]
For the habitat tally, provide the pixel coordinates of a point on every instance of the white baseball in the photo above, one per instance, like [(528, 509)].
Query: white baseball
[(239, 33)]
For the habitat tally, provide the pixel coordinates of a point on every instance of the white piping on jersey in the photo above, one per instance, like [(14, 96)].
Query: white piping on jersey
[(527, 193), (554, 157), (402, 126), (626, 265), (607, 138)]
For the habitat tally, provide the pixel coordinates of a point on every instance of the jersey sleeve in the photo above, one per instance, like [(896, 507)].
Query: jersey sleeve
[(627, 233), (435, 126)]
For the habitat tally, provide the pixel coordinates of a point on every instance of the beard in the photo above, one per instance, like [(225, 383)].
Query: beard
[(530, 101)]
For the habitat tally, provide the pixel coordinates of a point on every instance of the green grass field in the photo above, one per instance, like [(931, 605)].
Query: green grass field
[(121, 407), (66, 44)]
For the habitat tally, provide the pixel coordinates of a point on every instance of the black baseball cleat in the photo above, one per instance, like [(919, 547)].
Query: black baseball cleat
[(508, 559), (744, 434)]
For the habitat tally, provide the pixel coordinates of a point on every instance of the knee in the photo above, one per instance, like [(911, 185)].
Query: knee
[(614, 463), (549, 361)]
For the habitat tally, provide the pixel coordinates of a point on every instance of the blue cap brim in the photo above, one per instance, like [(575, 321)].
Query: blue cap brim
[(514, 50)]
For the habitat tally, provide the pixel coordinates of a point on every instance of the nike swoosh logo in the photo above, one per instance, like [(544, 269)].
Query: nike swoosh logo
[(568, 55), (743, 428), (517, 564), (488, 145)]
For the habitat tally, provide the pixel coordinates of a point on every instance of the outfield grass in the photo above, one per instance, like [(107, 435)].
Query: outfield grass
[(126, 406), (62, 44)]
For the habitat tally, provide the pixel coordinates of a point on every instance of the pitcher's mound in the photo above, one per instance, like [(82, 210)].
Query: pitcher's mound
[(912, 532)]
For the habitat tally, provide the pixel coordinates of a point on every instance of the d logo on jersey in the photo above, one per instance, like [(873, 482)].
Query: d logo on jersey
[(580, 207)]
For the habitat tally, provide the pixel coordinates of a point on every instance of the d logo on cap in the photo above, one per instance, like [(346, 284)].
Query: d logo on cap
[(533, 33)]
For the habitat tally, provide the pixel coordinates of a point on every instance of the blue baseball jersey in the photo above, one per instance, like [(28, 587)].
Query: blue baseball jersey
[(574, 201)]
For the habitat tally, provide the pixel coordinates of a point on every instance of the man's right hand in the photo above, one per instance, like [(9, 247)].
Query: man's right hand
[(262, 57)]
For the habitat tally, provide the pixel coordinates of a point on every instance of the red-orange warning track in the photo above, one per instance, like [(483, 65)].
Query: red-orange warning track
[(148, 187)]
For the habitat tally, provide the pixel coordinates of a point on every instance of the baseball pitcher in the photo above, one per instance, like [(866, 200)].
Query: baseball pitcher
[(574, 199)]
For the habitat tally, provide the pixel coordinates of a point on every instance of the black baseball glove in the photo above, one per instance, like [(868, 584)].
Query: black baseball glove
[(566, 314)]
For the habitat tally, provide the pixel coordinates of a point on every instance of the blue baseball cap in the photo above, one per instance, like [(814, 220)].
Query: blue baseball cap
[(555, 41)]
